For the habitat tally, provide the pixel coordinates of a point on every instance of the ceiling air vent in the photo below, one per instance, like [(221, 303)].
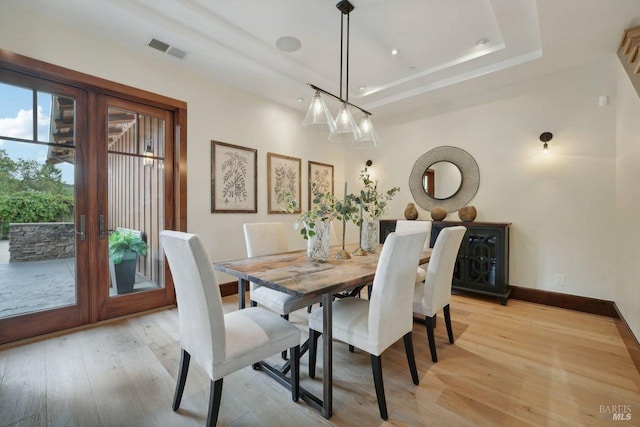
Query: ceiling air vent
[(157, 44), (167, 48), (178, 53)]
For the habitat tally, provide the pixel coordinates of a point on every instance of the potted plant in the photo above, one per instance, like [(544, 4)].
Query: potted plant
[(124, 248)]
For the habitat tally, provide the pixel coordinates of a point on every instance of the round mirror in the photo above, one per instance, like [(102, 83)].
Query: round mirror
[(442, 180), (456, 179)]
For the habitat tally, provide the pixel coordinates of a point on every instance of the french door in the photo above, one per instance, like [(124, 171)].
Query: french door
[(135, 181), (75, 166), (44, 264)]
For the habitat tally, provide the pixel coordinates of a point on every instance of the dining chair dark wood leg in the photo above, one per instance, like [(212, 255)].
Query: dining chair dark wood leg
[(376, 367), (447, 321), (185, 358), (313, 350), (295, 372), (432, 341), (408, 348), (215, 397)]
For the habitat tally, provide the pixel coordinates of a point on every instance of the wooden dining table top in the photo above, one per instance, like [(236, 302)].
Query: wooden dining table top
[(295, 274)]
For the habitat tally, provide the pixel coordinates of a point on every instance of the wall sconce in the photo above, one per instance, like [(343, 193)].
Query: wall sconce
[(148, 156), (369, 170), (545, 137)]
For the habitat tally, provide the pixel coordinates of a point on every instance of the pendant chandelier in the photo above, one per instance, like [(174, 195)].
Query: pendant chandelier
[(344, 128)]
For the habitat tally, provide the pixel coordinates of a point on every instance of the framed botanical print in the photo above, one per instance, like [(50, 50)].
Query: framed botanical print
[(283, 174), (321, 175), (234, 178)]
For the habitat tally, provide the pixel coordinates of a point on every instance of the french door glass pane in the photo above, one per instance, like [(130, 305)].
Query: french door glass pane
[(37, 201), (16, 112), (135, 199)]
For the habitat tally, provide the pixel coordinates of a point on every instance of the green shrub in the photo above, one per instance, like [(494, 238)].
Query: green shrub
[(33, 206)]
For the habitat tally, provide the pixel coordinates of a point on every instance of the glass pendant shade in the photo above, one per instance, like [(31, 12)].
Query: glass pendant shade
[(318, 118), (369, 138), (346, 128)]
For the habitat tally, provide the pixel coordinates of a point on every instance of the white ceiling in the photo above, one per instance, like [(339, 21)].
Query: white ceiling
[(438, 61)]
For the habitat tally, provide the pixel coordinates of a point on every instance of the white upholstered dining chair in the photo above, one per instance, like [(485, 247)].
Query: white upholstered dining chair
[(403, 226), (268, 238), (219, 343), (435, 293), (375, 324)]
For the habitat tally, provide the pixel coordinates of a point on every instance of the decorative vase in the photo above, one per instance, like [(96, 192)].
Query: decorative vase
[(370, 236), (410, 212), (318, 245), (467, 213), (438, 213)]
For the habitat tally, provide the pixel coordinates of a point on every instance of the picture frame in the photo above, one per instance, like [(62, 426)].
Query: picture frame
[(234, 178), (320, 174), (283, 173)]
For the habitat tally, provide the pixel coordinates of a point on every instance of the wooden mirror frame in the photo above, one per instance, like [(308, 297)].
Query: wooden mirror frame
[(470, 178)]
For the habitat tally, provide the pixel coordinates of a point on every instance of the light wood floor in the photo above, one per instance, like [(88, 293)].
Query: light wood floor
[(523, 364)]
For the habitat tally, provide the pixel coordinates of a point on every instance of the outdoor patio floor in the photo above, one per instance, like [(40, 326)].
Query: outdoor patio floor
[(27, 287)]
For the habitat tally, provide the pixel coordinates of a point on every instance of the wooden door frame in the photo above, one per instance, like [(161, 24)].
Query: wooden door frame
[(97, 87)]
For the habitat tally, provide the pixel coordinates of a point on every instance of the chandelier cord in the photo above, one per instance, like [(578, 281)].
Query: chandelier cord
[(341, 49), (347, 85), (342, 73)]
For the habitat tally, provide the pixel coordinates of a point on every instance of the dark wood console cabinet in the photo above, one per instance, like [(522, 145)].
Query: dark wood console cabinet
[(482, 266)]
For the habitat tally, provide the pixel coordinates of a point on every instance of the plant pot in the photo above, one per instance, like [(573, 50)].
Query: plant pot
[(123, 275)]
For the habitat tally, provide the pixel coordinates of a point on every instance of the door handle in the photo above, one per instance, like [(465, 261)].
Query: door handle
[(83, 227), (102, 233)]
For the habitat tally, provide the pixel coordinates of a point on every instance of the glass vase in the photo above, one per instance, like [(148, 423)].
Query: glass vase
[(318, 245), (370, 236)]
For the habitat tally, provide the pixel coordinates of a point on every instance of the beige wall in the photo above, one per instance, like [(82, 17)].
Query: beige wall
[(627, 290), (561, 205)]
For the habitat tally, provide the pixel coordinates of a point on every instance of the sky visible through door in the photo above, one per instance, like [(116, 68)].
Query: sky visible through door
[(16, 121)]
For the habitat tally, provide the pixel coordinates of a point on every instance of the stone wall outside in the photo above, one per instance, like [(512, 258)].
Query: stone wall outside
[(40, 241)]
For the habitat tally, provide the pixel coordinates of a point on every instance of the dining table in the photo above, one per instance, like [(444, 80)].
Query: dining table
[(295, 274)]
